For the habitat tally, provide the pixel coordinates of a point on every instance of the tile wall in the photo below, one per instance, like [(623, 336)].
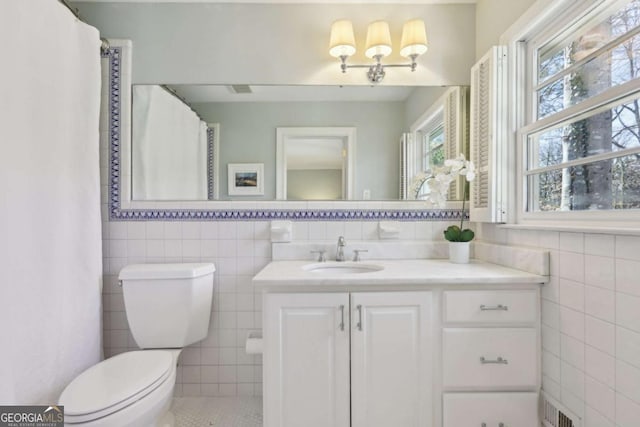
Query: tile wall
[(590, 321), (217, 366)]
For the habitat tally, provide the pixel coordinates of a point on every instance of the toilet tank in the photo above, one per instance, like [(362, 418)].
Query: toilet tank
[(168, 305)]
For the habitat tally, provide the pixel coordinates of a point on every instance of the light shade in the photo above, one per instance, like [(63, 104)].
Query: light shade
[(342, 42), (414, 38), (378, 39)]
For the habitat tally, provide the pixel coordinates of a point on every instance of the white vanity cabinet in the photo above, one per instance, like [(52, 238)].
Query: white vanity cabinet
[(490, 358), (361, 359)]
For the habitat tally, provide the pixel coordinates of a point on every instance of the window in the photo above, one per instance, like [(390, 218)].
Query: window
[(581, 146), (433, 148)]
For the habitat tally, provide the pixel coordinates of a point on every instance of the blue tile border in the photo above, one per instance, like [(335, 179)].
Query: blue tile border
[(116, 213)]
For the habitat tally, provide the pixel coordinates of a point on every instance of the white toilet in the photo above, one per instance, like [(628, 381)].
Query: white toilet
[(168, 307)]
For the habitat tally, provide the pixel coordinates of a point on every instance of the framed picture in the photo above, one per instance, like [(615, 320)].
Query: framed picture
[(246, 179)]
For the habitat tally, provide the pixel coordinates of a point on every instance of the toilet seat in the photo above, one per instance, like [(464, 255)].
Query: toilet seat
[(115, 383)]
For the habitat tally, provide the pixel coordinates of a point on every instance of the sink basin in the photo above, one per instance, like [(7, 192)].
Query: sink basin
[(338, 268)]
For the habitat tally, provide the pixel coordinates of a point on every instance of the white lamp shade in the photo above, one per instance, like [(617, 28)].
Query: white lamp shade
[(378, 39), (342, 42), (414, 38)]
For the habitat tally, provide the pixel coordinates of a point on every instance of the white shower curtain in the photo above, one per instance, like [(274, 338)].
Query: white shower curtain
[(169, 147), (50, 235)]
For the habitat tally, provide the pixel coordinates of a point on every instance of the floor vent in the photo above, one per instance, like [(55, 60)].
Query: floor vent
[(555, 414)]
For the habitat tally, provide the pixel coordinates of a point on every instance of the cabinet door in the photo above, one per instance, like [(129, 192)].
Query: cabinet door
[(391, 359), (306, 360)]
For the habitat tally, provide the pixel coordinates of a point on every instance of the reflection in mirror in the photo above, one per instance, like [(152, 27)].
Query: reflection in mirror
[(172, 147), (315, 163), (249, 116)]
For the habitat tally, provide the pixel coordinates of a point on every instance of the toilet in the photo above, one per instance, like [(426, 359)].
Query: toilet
[(168, 307)]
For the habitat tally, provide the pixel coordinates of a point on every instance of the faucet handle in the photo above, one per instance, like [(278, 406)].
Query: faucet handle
[(321, 255), (357, 252)]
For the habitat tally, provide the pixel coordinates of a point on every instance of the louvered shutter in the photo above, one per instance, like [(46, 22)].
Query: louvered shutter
[(456, 137), (488, 142), (407, 164)]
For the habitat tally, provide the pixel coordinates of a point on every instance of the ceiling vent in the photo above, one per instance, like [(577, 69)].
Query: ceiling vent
[(240, 89)]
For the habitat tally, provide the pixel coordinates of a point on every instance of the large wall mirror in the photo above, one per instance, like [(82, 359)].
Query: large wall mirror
[(304, 136)]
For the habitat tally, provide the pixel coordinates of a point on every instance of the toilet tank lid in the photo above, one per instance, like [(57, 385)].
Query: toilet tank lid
[(166, 271)]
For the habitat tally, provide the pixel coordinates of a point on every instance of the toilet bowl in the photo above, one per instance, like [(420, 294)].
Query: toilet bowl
[(168, 306)]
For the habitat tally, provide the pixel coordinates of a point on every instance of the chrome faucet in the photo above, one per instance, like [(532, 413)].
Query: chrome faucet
[(340, 249)]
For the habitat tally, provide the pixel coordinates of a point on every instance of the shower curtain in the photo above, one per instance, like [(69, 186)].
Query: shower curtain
[(50, 235), (169, 147)]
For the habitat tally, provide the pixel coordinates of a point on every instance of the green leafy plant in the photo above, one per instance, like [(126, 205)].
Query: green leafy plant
[(453, 233)]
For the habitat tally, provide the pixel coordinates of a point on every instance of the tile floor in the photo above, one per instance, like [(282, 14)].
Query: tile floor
[(217, 411)]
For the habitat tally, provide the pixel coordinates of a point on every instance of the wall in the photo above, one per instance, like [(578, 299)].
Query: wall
[(590, 321), (278, 43), (248, 134), (493, 17), (419, 102), (317, 184)]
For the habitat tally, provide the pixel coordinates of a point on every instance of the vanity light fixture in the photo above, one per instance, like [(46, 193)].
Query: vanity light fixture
[(413, 43)]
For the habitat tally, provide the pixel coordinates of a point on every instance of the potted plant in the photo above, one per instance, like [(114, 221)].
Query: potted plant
[(459, 239)]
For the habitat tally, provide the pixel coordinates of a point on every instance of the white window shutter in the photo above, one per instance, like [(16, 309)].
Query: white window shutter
[(456, 136), (488, 141), (407, 164)]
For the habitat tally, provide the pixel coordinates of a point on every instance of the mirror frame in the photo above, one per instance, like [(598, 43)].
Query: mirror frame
[(116, 136)]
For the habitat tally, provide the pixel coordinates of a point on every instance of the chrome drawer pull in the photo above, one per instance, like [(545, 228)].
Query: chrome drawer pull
[(498, 307), (485, 425), (342, 317), (498, 361), (359, 325)]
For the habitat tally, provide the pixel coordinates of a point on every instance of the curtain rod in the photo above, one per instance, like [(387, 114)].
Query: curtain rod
[(104, 47), (181, 99)]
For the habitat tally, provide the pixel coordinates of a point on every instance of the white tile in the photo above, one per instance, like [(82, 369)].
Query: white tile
[(136, 230), (136, 248), (191, 374), (628, 247), (334, 229), (228, 356), (190, 356), (628, 311), (628, 346), (600, 303), (599, 244), (245, 230), (117, 230), (209, 374), (572, 242), (572, 323), (551, 366), (572, 294), (572, 266), (551, 339), (552, 387), (154, 230), (191, 230), (191, 248), (209, 355), (572, 351), (353, 230), (549, 239), (600, 334), (173, 230), (173, 248), (600, 366), (317, 230), (593, 418), (573, 402), (551, 290), (227, 230), (572, 379), (228, 374), (209, 230), (117, 248), (599, 271), (628, 381), (600, 397), (628, 276), (208, 248), (627, 412)]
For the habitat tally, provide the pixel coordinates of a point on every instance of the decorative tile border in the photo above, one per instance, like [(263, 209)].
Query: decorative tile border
[(210, 142), (117, 213)]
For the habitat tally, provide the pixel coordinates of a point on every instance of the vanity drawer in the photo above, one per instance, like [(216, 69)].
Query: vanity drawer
[(490, 409), (498, 358), (520, 306)]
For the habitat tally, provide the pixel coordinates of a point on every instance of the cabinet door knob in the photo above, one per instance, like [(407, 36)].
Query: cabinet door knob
[(359, 324), (498, 307), (498, 361), (342, 317)]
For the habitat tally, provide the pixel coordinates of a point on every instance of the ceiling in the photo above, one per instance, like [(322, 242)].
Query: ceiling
[(195, 94)]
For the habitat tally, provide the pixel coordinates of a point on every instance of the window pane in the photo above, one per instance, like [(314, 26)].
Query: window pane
[(611, 130), (556, 56), (607, 184)]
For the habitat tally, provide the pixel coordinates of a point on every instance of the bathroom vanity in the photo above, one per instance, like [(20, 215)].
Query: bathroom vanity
[(400, 343)]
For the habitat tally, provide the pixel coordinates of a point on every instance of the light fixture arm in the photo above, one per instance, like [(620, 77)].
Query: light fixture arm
[(376, 72)]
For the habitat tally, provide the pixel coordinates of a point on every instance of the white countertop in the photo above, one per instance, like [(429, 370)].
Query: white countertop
[(416, 272)]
